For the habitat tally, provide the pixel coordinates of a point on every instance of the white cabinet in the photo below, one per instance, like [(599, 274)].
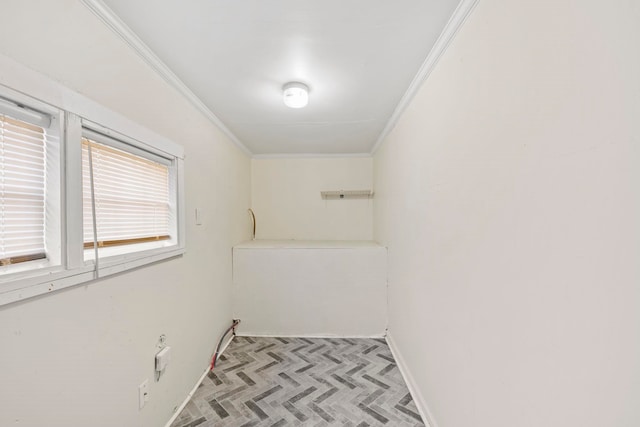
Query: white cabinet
[(310, 288)]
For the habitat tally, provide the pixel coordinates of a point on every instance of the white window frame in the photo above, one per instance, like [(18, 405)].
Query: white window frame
[(67, 266), (53, 190), (129, 146), (115, 139)]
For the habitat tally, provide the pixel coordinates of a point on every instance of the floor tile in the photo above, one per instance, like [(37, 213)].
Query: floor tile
[(279, 382)]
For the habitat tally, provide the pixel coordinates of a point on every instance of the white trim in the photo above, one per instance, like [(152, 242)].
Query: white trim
[(331, 336), (458, 18), (310, 156), (187, 399), (73, 192), (55, 281), (25, 113), (23, 83), (114, 139), (113, 22), (193, 390), (421, 403), (10, 94), (181, 210)]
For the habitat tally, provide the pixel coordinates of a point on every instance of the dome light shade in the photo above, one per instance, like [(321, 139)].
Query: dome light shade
[(295, 95)]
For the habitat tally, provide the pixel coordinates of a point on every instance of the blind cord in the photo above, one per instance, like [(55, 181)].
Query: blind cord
[(93, 213)]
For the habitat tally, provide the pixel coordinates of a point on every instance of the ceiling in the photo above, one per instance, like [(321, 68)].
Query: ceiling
[(358, 58)]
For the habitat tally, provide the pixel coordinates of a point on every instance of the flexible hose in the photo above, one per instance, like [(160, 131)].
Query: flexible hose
[(216, 355)]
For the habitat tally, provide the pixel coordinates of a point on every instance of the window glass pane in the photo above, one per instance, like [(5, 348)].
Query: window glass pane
[(22, 191), (131, 197)]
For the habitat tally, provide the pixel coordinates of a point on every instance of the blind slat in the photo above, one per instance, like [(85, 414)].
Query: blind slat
[(131, 195), (22, 191)]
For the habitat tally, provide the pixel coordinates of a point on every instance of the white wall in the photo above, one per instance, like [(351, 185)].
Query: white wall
[(287, 203), (304, 288), (75, 357), (508, 195)]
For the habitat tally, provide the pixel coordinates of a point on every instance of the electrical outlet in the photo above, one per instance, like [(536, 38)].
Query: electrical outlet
[(143, 393)]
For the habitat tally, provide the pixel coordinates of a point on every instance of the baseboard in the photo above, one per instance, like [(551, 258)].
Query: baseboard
[(193, 390), (419, 400), (250, 334)]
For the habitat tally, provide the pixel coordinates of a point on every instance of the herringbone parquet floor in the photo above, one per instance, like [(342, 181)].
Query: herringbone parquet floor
[(302, 382)]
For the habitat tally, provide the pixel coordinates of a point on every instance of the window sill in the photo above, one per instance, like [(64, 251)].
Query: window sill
[(125, 252), (54, 280)]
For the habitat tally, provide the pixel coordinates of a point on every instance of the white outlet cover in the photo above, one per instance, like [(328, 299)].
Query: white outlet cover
[(143, 393), (163, 358)]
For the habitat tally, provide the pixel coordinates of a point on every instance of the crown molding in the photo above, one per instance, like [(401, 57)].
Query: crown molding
[(111, 20), (460, 15)]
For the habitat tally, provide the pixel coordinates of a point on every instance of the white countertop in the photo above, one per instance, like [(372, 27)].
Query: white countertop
[(307, 244)]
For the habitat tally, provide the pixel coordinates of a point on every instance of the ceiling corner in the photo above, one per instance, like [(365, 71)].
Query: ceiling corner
[(460, 15), (115, 24)]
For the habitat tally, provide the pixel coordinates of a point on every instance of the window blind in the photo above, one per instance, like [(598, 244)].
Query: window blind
[(22, 191), (131, 197)]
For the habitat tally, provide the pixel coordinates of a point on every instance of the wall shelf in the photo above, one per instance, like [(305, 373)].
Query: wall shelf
[(346, 194)]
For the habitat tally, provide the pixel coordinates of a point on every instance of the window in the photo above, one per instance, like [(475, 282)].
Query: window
[(130, 191), (94, 203), (22, 191), (130, 197), (29, 192)]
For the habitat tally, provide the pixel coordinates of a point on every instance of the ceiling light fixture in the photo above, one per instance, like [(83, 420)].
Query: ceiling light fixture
[(295, 95)]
